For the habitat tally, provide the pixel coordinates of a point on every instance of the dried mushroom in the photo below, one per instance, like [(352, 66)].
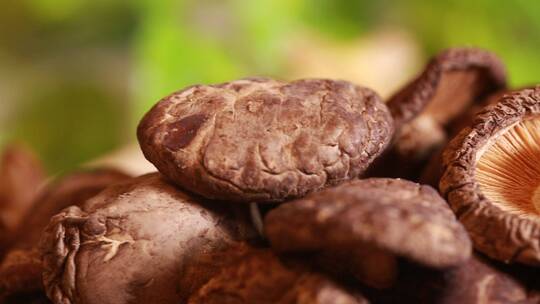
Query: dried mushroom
[(364, 225), (424, 109), (20, 271), (265, 140), (433, 171), (21, 176), (476, 281), (259, 276), (492, 178), (131, 243)]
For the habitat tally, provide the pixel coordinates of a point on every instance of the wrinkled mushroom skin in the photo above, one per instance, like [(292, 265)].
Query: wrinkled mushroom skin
[(264, 140), (252, 275), (371, 220), (495, 229), (20, 271), (21, 176), (72, 189), (477, 281), (131, 243), (424, 109)]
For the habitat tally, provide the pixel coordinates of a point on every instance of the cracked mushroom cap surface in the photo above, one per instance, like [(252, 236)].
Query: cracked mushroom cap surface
[(131, 243), (492, 178), (72, 189), (265, 140), (20, 270), (256, 275), (370, 222)]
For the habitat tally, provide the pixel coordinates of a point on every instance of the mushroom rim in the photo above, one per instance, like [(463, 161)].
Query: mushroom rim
[(410, 101), (460, 187)]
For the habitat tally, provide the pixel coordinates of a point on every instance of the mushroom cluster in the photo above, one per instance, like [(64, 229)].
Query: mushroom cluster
[(309, 191)]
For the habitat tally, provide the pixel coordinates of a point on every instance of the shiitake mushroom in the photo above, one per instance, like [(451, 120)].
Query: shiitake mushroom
[(492, 177), (257, 275), (132, 242), (20, 270), (263, 140), (361, 228), (425, 109), (21, 177)]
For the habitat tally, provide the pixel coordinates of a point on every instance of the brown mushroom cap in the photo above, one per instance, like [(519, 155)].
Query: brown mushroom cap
[(426, 108), (72, 189), (20, 276), (132, 241), (476, 281), (259, 276), (20, 271), (21, 176), (449, 83), (366, 223), (265, 140), (492, 175)]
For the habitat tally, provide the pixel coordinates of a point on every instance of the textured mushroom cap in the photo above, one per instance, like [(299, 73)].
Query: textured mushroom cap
[(476, 281), (496, 228), (451, 80), (21, 268), (396, 216), (259, 276), (265, 140), (72, 189), (131, 243)]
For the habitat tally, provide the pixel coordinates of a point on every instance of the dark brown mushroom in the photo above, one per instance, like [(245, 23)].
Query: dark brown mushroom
[(253, 275), (362, 226), (21, 176), (433, 171), (424, 109), (264, 140), (492, 178), (20, 271), (476, 281), (132, 242)]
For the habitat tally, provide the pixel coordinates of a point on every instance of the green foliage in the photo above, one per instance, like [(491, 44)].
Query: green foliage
[(509, 28), (166, 45), (69, 125)]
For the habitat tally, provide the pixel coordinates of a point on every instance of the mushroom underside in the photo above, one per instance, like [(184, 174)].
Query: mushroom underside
[(508, 170)]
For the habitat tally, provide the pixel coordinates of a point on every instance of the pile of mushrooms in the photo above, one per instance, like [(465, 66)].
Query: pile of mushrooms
[(309, 191)]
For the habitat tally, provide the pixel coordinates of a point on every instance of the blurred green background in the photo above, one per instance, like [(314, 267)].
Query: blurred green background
[(76, 76)]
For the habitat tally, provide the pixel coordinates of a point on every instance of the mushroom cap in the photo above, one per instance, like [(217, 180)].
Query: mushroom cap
[(265, 140), (131, 243), (449, 83), (20, 275), (255, 275), (426, 109), (395, 216), (71, 189), (503, 229), (476, 281), (21, 177), (21, 268)]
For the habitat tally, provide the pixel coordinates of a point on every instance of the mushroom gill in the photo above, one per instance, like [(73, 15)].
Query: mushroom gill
[(508, 172)]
